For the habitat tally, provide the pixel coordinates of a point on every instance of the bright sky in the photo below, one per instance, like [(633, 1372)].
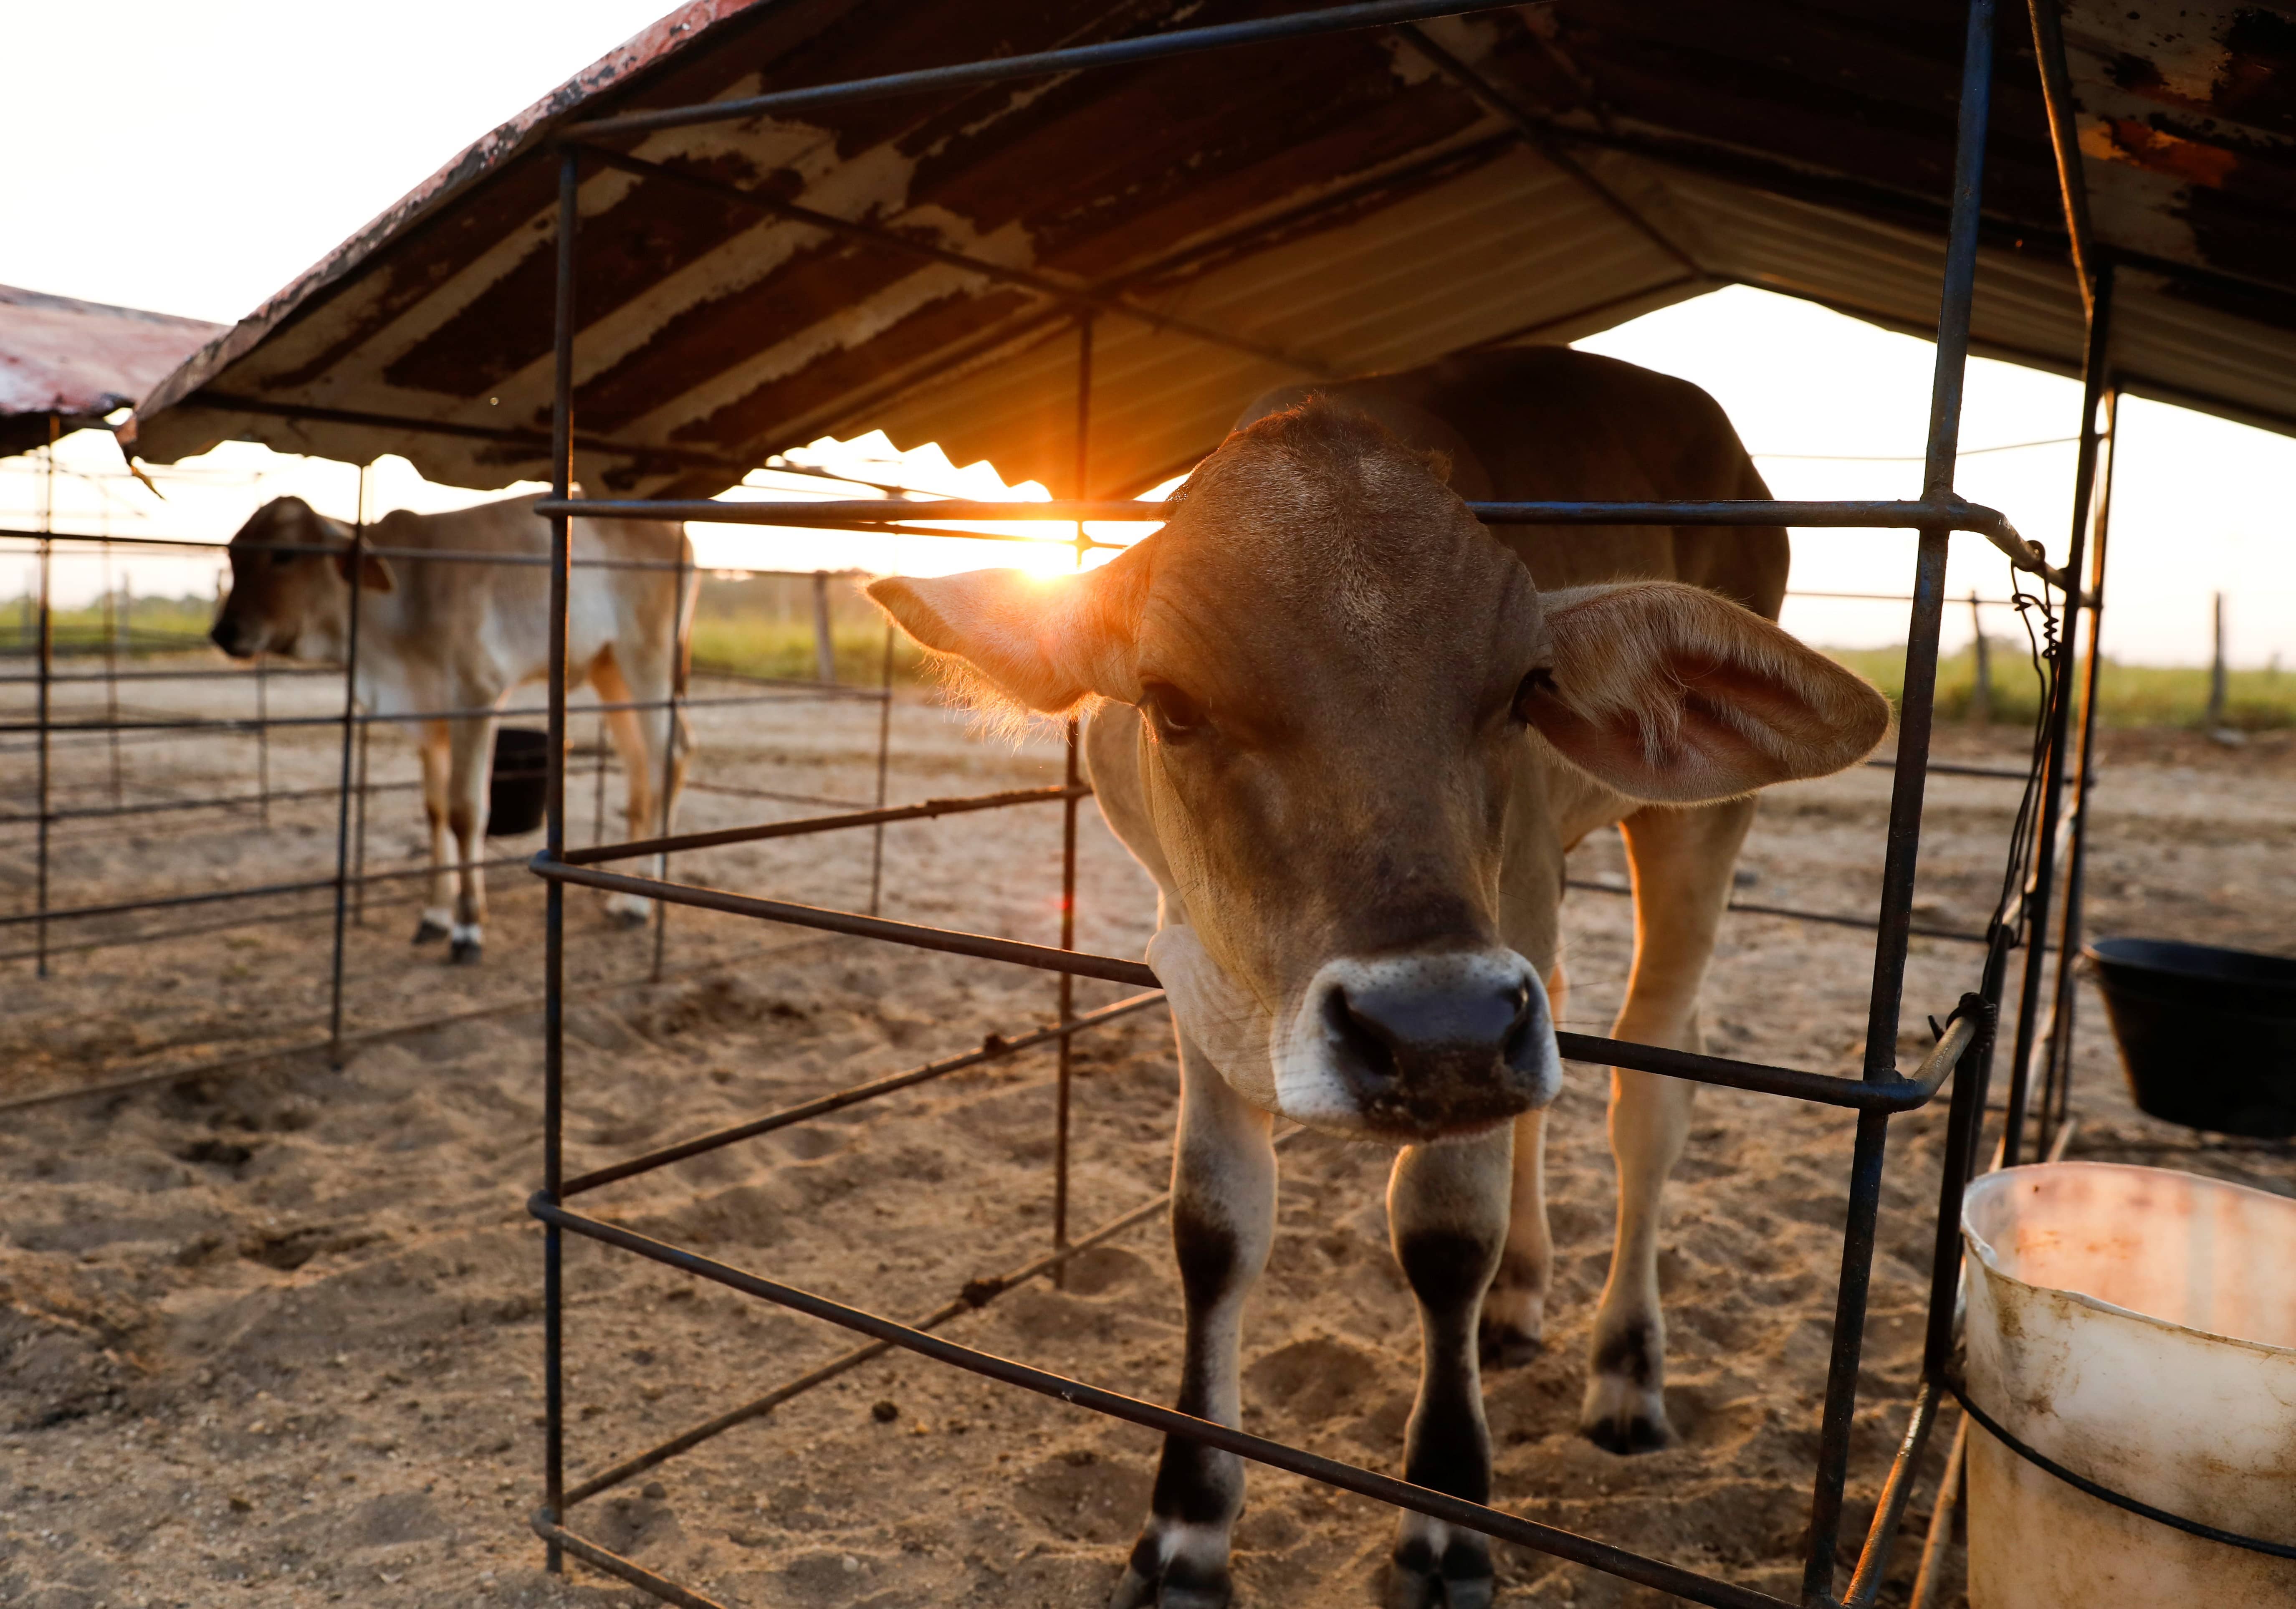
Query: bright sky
[(196, 157)]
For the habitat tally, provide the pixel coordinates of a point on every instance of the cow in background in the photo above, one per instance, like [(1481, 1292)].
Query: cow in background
[(437, 635)]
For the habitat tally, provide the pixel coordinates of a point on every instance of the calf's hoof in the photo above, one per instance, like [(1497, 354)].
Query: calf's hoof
[(1508, 1334), (468, 943), (1459, 1579), (430, 929), (1622, 1417), (1152, 1581), (627, 918)]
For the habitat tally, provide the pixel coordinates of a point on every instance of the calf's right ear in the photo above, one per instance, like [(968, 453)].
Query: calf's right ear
[(1045, 642)]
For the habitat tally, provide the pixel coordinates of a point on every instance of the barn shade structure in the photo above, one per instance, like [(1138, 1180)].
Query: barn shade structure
[(64, 364), (1245, 218)]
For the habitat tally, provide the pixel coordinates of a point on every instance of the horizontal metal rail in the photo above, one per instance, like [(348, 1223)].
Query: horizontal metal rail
[(374, 1036), (978, 1294), (1795, 913), (264, 891), (228, 801), (797, 691), (925, 811), (1036, 64), (1946, 767), (1896, 1095), (1942, 512), (1550, 1539), (993, 1048)]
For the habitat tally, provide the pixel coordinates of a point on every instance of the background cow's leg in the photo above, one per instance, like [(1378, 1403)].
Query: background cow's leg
[(470, 767), (1447, 1210), (640, 736), (1223, 1219), (1682, 861), (1515, 1308), (439, 912)]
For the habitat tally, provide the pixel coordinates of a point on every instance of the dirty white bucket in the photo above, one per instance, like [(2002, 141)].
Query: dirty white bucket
[(2138, 1327)]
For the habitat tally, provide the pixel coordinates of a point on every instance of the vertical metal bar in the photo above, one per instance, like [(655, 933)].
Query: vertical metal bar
[(824, 635), (263, 741), (1955, 296), (1062, 1097), (1980, 691), (358, 836), (669, 749), (45, 647), (343, 786), (2216, 714), (2042, 890), (2064, 138), (884, 751), (553, 917), (2057, 1091), (111, 671)]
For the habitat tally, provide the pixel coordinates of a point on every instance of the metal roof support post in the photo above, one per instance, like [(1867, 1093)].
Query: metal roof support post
[(1957, 296), (1070, 776), (351, 728), (2042, 890), (2065, 139), (2057, 1086), (553, 912)]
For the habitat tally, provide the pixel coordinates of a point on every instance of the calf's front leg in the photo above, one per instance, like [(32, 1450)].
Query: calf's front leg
[(1447, 1210), (1682, 861), (438, 913), (468, 775), (1223, 1219)]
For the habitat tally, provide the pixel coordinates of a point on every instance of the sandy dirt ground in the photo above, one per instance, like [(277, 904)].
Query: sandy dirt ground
[(273, 1337)]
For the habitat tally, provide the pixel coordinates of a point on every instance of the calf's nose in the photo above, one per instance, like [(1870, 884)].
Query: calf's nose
[(1442, 1044), (225, 635)]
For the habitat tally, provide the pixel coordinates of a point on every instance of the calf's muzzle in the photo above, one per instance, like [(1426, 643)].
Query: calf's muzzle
[(1427, 1046)]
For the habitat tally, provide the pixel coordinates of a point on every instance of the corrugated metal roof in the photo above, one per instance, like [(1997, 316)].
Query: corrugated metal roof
[(1330, 206), (80, 360)]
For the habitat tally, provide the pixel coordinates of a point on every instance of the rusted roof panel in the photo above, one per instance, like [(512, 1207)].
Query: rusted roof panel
[(1323, 206), (80, 360)]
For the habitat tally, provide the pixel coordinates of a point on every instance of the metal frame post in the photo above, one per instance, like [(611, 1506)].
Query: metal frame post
[(111, 671), (669, 743), (2057, 1087), (351, 728), (1957, 296), (884, 751), (2041, 892), (553, 918), (358, 835), (1070, 779), (46, 649)]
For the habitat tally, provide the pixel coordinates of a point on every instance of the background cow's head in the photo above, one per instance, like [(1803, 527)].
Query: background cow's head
[(291, 584), (1340, 678)]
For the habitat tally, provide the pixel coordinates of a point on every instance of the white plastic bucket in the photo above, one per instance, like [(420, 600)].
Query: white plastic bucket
[(2138, 1327)]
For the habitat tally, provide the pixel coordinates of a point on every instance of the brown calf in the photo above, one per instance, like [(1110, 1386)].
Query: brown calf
[(1351, 734)]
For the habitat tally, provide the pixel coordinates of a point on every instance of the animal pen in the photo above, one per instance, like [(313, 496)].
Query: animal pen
[(1057, 328)]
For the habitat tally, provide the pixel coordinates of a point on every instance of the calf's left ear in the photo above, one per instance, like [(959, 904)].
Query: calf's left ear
[(1676, 695), (1045, 642)]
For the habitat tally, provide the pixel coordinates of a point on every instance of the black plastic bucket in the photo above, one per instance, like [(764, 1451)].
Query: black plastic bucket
[(2207, 1036), (517, 790)]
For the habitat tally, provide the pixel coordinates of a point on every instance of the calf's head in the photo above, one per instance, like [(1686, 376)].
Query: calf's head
[(1353, 708), (291, 589)]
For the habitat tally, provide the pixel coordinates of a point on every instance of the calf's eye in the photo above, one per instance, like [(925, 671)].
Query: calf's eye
[(1175, 716), (1533, 683)]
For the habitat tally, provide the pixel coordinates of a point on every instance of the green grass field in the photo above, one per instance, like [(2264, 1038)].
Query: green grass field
[(2135, 695)]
